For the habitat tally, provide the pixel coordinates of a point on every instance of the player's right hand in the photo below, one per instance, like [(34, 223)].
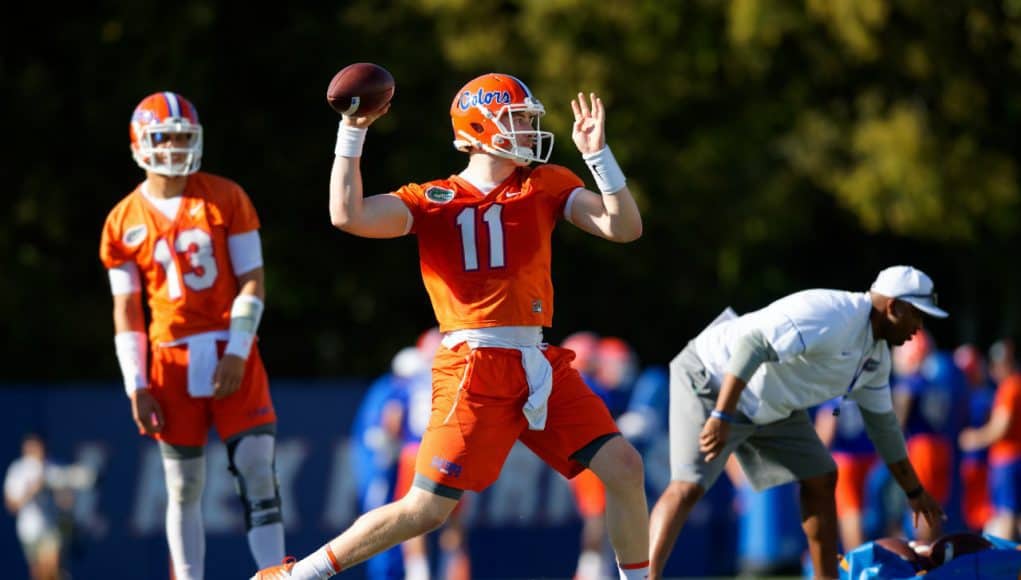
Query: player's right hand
[(713, 438), (146, 412), (363, 121), (927, 507)]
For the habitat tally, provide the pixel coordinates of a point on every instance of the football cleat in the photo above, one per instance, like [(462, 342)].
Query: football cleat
[(278, 572)]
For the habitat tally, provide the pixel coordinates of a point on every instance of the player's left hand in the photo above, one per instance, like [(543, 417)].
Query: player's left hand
[(926, 506), (227, 378), (713, 438), (589, 132)]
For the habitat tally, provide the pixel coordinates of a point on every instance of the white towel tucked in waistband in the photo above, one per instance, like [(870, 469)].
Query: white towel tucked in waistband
[(538, 371), (202, 361)]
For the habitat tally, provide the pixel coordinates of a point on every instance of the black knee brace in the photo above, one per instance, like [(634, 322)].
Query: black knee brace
[(257, 512)]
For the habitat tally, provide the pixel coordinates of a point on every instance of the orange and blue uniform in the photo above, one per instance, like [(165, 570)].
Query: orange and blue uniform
[(190, 284), (485, 261), (1005, 454)]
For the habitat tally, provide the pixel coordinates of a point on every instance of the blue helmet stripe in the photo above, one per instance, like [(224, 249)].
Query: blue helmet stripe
[(523, 86), (172, 104)]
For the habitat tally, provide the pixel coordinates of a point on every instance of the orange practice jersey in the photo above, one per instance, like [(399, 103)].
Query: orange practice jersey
[(185, 263), (1008, 400), (486, 258)]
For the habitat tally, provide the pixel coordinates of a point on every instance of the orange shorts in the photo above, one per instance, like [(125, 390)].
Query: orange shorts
[(405, 469), (852, 469), (406, 476), (589, 494), (976, 505), (932, 457), (188, 419), (477, 416)]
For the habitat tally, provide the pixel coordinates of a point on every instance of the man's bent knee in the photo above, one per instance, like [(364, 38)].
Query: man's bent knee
[(429, 509), (824, 485), (685, 493), (184, 479)]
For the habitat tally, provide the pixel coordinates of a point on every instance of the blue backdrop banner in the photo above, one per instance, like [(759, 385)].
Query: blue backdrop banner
[(524, 526)]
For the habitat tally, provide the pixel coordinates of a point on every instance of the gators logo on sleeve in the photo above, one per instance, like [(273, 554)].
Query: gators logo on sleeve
[(135, 235), (439, 195)]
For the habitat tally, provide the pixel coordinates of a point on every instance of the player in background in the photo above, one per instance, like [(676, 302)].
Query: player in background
[(584, 344), (377, 436), (976, 506), (929, 398), (647, 411), (191, 240), (587, 490), (841, 428), (30, 497), (613, 365), (1002, 435), (484, 239), (416, 404)]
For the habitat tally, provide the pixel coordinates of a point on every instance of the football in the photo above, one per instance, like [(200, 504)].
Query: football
[(950, 546), (362, 88)]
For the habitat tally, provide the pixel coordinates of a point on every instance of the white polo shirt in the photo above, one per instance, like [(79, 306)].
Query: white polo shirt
[(39, 515), (826, 349)]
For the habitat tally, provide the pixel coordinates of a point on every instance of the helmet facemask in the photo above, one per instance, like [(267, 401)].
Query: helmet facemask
[(512, 141), (182, 157)]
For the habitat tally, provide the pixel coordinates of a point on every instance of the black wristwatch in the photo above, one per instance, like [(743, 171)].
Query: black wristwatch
[(914, 493)]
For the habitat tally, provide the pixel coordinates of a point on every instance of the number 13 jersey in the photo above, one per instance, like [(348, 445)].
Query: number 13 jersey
[(184, 263), (486, 258)]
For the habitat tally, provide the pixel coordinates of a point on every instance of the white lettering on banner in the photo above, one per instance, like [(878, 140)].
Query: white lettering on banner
[(221, 508), (559, 501), (91, 456), (341, 494), (527, 493)]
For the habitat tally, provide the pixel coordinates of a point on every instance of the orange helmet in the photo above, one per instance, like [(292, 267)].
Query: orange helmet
[(617, 363), (584, 344), (429, 342), (161, 118), (483, 115)]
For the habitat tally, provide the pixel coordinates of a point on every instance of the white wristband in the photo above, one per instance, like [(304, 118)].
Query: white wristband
[(240, 343), (349, 141), (132, 353), (245, 315), (609, 177)]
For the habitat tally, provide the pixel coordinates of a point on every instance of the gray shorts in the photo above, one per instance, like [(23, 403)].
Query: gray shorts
[(770, 455)]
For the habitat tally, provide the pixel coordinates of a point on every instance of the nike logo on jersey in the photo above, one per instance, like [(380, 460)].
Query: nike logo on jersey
[(194, 212), (511, 194)]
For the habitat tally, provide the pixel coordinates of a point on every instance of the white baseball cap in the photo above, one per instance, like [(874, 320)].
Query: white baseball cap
[(910, 285)]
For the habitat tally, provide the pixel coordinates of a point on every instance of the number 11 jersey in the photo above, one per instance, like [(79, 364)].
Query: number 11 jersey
[(486, 258)]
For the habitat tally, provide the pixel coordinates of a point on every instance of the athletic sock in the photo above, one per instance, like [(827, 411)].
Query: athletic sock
[(318, 565), (636, 571), (590, 566)]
